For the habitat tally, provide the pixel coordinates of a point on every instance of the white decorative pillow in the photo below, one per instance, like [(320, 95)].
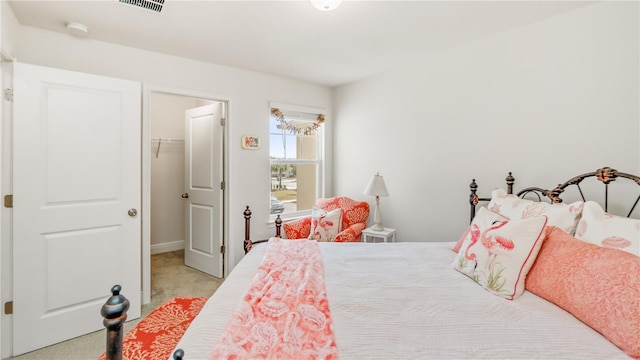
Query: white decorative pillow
[(601, 228), (488, 218), (498, 254), (325, 226), (564, 216)]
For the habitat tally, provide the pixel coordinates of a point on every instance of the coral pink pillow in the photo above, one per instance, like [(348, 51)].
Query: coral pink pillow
[(599, 286)]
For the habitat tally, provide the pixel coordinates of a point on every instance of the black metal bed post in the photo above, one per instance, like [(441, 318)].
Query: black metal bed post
[(278, 226), (510, 180), (247, 230), (248, 243), (178, 354), (114, 312), (473, 199)]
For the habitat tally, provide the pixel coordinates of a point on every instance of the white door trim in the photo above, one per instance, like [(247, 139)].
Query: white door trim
[(6, 269), (146, 174)]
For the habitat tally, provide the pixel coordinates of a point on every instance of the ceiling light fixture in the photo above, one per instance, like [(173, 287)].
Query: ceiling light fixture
[(326, 5)]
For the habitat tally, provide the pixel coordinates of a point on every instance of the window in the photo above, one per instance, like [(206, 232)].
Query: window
[(295, 138)]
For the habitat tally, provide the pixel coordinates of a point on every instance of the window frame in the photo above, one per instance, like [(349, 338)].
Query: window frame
[(320, 158)]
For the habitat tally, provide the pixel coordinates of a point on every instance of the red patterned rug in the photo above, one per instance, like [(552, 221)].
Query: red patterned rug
[(158, 333)]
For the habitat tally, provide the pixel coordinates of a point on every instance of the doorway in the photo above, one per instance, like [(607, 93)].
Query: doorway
[(165, 189)]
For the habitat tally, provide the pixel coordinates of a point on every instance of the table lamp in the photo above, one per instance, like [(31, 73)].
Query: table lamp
[(377, 188)]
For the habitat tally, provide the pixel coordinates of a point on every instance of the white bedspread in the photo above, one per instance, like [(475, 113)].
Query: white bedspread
[(405, 301)]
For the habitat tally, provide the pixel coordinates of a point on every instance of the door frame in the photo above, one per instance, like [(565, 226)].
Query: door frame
[(147, 89), (6, 214)]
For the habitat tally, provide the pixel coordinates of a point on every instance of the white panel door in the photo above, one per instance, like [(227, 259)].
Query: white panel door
[(76, 175), (203, 178)]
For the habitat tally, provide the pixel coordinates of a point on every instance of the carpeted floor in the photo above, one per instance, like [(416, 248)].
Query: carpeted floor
[(169, 278)]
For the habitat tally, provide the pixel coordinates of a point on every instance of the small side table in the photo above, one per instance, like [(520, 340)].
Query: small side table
[(386, 235)]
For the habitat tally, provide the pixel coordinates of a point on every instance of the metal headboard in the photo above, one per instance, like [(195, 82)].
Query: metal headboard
[(474, 199), (605, 175)]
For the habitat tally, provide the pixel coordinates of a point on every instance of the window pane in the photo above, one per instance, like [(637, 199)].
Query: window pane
[(282, 146), (293, 187), (285, 145)]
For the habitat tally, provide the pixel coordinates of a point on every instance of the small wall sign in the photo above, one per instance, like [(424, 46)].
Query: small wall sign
[(250, 142)]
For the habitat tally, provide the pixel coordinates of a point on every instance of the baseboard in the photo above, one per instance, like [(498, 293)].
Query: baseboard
[(166, 247)]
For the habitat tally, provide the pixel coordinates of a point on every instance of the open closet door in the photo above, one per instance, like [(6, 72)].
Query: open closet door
[(76, 179), (203, 181)]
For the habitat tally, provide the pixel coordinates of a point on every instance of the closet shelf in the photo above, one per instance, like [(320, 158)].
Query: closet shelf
[(160, 140), (167, 139)]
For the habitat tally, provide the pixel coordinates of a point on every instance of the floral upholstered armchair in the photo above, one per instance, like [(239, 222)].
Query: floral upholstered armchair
[(354, 216)]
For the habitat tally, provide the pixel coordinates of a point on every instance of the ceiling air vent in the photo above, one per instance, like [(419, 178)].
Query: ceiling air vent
[(153, 5)]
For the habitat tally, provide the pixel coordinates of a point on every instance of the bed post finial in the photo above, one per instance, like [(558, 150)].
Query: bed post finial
[(473, 198), (114, 312), (510, 180), (178, 354), (247, 230), (278, 226)]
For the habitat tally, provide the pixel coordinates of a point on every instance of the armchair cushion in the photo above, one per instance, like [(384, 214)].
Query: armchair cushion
[(351, 234), (298, 228), (354, 219)]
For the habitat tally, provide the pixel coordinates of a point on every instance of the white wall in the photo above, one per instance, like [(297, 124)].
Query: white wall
[(547, 101), (8, 28), (249, 94)]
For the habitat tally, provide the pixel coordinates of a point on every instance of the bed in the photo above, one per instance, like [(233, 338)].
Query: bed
[(406, 300)]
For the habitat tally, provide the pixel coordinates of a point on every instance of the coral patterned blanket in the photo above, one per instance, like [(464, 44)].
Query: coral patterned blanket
[(285, 313)]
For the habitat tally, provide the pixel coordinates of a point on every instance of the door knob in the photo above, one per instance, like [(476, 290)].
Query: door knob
[(132, 212), (185, 195)]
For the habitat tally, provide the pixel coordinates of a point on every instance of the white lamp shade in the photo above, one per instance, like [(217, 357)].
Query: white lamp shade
[(326, 5), (376, 186)]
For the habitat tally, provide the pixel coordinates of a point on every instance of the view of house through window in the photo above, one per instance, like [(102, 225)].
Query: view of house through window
[(294, 137)]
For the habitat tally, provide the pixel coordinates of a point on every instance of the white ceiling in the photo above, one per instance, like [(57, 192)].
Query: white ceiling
[(292, 38)]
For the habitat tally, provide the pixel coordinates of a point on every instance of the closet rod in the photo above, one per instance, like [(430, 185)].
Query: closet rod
[(160, 140), (167, 139)]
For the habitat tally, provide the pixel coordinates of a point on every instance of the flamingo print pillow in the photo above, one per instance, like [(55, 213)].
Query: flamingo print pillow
[(489, 217), (325, 226), (564, 216), (498, 254), (601, 228)]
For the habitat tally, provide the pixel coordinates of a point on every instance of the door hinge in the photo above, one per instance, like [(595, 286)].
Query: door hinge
[(8, 94), (8, 307), (8, 201), (222, 121), (221, 185), (222, 249)]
